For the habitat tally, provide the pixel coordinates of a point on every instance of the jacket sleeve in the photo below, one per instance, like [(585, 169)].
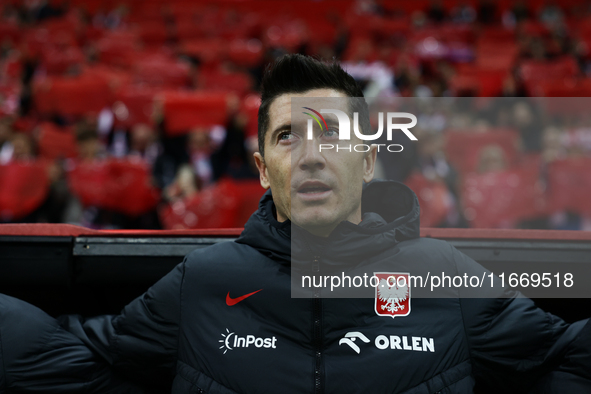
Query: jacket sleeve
[(141, 342), (512, 342), (573, 375), (37, 355)]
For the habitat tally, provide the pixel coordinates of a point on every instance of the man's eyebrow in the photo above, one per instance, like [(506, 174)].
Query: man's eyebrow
[(278, 129)]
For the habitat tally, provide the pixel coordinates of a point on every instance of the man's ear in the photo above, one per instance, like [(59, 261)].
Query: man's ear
[(263, 175), (369, 163)]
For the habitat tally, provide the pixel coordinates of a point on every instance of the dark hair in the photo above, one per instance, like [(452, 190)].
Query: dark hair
[(295, 73)]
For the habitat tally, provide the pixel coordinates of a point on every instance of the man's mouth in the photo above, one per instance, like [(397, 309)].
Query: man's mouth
[(313, 190), (313, 187)]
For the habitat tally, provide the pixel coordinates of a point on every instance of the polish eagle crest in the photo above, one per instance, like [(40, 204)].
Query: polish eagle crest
[(392, 294)]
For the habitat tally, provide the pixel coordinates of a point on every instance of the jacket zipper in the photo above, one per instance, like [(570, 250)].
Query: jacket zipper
[(317, 335)]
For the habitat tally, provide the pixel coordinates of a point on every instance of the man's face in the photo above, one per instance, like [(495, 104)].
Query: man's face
[(314, 189)]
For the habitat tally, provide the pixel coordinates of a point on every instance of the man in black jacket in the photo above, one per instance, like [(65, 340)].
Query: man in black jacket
[(225, 321)]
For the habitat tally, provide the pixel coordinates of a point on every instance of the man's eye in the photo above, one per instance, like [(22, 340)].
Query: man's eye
[(331, 133), (286, 136)]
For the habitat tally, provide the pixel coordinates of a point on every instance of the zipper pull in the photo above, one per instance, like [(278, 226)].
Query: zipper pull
[(316, 264)]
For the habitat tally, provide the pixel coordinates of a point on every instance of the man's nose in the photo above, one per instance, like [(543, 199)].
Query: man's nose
[(311, 159)]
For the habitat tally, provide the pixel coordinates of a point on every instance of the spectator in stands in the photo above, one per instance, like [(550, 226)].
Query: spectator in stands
[(232, 156), (552, 144), (551, 14), (377, 78), (518, 13), (528, 124), (200, 150), (487, 11), (535, 49), (6, 147), (406, 75), (463, 13), (89, 145), (144, 143), (368, 7), (433, 165), (431, 159), (184, 186), (436, 12), (46, 9), (511, 88), (23, 147), (492, 158)]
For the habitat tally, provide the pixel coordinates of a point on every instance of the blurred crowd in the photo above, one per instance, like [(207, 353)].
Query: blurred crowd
[(507, 162), (142, 114)]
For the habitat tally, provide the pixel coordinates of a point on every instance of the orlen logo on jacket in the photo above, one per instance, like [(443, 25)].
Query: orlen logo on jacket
[(231, 341), (345, 129), (392, 342)]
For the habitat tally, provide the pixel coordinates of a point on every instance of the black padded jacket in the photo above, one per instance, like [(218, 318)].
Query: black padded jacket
[(189, 331)]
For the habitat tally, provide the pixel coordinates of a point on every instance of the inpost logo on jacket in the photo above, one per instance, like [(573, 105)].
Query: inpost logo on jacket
[(231, 341)]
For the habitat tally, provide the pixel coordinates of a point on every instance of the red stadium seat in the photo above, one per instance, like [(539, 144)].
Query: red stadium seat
[(248, 53), (9, 94), (58, 61), (134, 104), (251, 192), (114, 77), (186, 11), (119, 48), (118, 185), (186, 110), (55, 143), (94, 6), (9, 32), (187, 29), (153, 34), (250, 108), (569, 185), (567, 104), (75, 96), (533, 72), (434, 199), (536, 70), (157, 71), (12, 67), (567, 87), (502, 198), (360, 49), (533, 29), (286, 33), (323, 33), (146, 13), (23, 188), (490, 54), (210, 50), (480, 81), (496, 36), (239, 83), (445, 33), (395, 27)]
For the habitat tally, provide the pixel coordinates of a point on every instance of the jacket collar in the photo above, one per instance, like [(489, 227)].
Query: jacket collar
[(390, 215)]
